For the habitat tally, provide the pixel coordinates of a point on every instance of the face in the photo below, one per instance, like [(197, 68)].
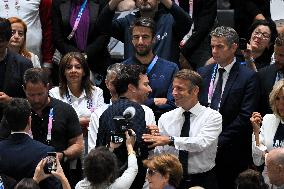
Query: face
[(74, 72), (221, 52), (279, 56), (142, 40), (18, 35), (142, 91), (37, 95), (279, 103), (274, 173), (110, 86), (260, 38), (147, 5), (183, 95), (156, 180)]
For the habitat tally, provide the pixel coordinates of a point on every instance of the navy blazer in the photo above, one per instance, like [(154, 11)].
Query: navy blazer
[(239, 100), (20, 155)]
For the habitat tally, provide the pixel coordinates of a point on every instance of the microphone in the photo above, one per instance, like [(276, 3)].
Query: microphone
[(129, 112)]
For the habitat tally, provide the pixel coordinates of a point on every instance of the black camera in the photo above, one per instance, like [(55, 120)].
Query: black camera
[(243, 43), (51, 164)]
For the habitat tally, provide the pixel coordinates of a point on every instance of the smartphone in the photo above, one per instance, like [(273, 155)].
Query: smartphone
[(51, 164), (243, 43)]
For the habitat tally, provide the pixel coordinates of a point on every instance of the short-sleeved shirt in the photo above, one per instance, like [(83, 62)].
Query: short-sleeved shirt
[(65, 124)]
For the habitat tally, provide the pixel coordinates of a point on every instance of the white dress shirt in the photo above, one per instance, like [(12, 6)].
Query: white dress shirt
[(80, 104), (205, 127), (94, 123)]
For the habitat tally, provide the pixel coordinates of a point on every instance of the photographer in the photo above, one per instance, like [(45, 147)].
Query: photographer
[(102, 160), (132, 83)]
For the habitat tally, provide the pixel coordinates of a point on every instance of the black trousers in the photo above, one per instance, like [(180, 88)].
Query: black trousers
[(206, 180)]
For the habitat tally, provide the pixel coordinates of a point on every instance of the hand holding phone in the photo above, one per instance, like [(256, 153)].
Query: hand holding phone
[(51, 163)]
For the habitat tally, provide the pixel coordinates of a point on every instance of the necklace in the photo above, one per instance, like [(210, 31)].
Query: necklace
[(6, 2)]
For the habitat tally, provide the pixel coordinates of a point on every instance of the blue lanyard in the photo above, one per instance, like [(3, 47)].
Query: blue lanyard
[(211, 85), (49, 125), (150, 67)]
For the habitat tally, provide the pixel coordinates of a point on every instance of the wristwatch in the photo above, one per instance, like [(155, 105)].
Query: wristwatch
[(171, 141)]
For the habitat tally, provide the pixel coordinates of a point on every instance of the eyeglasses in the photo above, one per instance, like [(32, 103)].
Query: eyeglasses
[(261, 35), (151, 172), (20, 33)]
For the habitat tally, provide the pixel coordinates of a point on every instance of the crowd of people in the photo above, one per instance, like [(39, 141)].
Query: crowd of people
[(181, 102)]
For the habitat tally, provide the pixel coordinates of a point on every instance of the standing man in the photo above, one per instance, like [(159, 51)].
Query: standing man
[(191, 131), (159, 71), (271, 74), (231, 89), (12, 68), (172, 25), (132, 83)]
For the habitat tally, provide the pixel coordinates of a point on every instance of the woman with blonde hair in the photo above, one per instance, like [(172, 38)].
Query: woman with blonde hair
[(17, 42), (271, 133)]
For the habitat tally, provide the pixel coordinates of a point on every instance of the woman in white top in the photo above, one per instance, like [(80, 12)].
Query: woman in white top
[(101, 167), (271, 134), (17, 42), (76, 89)]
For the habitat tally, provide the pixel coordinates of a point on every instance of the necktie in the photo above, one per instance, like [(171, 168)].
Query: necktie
[(218, 91), (183, 155)]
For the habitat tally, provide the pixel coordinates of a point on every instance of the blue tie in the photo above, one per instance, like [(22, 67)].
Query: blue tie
[(183, 155), (215, 101)]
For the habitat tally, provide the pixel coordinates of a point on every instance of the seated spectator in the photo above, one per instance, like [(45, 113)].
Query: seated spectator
[(250, 179), (164, 171), (275, 168), (261, 44), (17, 42), (101, 160), (270, 134), (27, 183), (76, 89)]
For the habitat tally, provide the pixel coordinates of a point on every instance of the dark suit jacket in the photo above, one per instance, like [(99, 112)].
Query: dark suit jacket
[(96, 50), (20, 155), (16, 65), (267, 76), (239, 100), (204, 15)]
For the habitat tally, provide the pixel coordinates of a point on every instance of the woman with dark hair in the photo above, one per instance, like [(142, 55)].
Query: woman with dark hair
[(250, 179), (27, 183), (261, 44), (74, 30), (17, 42), (76, 89), (101, 169), (164, 171)]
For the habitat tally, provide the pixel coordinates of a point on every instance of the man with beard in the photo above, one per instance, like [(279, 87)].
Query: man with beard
[(271, 74), (173, 23), (159, 71)]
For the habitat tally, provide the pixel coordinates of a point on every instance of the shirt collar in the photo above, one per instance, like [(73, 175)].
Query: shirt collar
[(195, 110), (229, 66), (83, 94)]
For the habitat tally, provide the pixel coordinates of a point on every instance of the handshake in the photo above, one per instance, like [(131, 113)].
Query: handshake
[(154, 138)]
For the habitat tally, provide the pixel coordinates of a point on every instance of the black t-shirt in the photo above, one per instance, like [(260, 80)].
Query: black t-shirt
[(2, 74), (278, 140), (65, 125)]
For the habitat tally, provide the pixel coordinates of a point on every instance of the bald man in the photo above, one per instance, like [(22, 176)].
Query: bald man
[(275, 167)]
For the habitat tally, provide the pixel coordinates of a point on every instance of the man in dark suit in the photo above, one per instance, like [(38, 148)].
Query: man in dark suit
[(197, 48), (20, 154), (12, 67), (271, 74), (233, 90)]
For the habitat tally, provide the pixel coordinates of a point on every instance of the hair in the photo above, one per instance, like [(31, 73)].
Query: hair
[(35, 75), (27, 183), (228, 33), (280, 40), (5, 29), (250, 179), (278, 86), (130, 74), (114, 70), (23, 51), (86, 83), (166, 164), (144, 22), (21, 110), (190, 75), (100, 166)]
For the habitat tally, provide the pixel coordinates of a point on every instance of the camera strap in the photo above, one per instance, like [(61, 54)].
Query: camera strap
[(49, 126)]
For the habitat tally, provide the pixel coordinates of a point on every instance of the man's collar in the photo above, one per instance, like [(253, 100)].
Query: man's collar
[(229, 66)]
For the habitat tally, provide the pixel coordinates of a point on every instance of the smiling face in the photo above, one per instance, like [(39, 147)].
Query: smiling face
[(147, 5), (74, 72), (260, 38), (18, 36), (142, 40), (143, 90)]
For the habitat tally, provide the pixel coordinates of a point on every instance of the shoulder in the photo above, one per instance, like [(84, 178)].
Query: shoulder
[(171, 115), (96, 90), (269, 117), (128, 61), (167, 63), (54, 92), (206, 69), (63, 106)]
